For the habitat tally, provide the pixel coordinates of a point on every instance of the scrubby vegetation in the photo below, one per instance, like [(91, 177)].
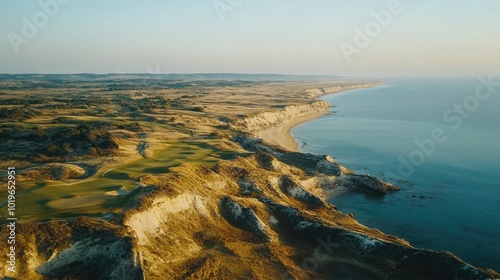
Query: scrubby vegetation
[(18, 114), (57, 118), (54, 144), (79, 127)]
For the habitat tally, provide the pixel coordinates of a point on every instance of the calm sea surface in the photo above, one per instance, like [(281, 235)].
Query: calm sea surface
[(440, 142)]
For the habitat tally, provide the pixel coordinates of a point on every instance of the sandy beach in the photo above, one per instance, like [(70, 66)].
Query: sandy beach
[(280, 134)]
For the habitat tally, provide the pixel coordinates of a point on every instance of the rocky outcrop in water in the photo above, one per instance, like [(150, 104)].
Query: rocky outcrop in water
[(364, 183)]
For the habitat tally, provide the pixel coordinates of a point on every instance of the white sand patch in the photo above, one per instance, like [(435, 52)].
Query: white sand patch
[(297, 192), (121, 191), (236, 209), (304, 224), (273, 221), (151, 222), (367, 243)]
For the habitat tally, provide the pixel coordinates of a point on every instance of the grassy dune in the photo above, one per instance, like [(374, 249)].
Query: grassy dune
[(62, 200), (120, 128)]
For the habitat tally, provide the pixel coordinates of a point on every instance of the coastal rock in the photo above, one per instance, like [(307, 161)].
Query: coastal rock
[(391, 260), (242, 217), (293, 189), (195, 223), (364, 183), (93, 258), (85, 248), (311, 163), (248, 187)]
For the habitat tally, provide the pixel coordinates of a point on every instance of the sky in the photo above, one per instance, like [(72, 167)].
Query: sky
[(371, 38)]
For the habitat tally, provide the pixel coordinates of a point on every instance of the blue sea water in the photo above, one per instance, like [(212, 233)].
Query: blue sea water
[(439, 141)]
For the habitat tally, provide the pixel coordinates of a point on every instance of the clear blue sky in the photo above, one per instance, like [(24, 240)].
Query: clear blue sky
[(428, 37)]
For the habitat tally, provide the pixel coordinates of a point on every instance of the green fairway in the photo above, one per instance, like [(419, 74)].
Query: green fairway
[(62, 200)]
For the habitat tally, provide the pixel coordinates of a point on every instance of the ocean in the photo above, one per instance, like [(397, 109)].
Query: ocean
[(439, 140)]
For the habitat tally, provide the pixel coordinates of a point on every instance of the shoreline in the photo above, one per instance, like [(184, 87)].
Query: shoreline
[(281, 133), (233, 191)]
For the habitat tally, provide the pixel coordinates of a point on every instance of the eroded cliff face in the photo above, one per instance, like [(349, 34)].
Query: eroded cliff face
[(317, 92), (263, 216), (86, 248), (264, 120)]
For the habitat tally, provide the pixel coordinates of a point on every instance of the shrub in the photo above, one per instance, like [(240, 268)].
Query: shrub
[(52, 150), (197, 109), (93, 152), (66, 147)]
